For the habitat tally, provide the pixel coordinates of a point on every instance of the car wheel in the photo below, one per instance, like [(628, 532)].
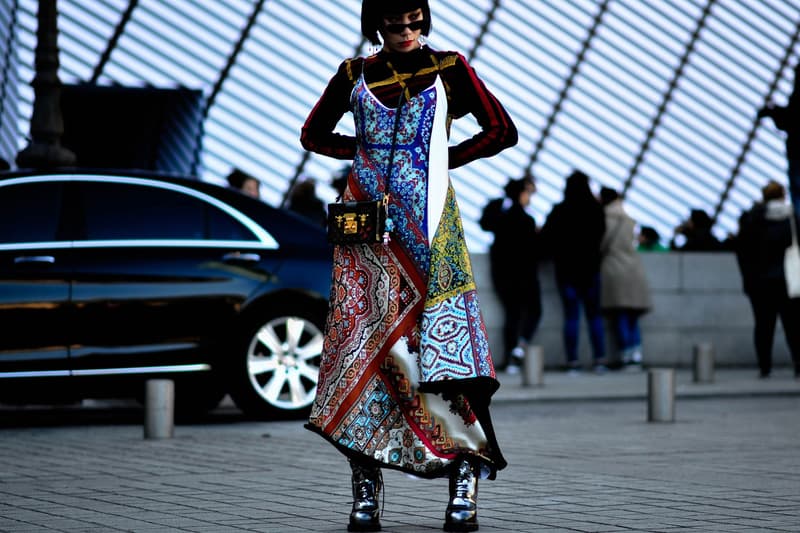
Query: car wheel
[(276, 367)]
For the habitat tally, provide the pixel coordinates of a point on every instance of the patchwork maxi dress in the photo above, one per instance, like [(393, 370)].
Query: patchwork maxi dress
[(406, 375)]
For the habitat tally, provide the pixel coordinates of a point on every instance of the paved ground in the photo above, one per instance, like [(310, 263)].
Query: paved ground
[(582, 455)]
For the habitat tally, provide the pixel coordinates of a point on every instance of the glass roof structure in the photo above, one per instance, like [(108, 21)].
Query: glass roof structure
[(655, 98)]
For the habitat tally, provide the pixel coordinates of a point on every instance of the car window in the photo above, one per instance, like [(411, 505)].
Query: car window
[(30, 212), (129, 211)]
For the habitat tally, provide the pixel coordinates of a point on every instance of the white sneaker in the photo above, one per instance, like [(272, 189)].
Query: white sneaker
[(633, 359)]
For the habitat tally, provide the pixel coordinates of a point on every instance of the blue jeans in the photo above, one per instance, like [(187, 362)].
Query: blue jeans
[(626, 328), (574, 296)]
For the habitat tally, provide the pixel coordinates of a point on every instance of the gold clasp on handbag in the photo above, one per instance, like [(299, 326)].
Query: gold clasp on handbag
[(350, 224)]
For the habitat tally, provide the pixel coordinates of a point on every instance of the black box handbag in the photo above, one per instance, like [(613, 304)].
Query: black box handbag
[(357, 222)]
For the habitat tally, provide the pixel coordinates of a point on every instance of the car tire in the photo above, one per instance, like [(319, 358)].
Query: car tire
[(275, 368)]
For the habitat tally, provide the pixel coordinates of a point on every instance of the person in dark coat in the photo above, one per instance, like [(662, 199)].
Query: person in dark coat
[(304, 201), (696, 234), (571, 235), (764, 234), (513, 259), (787, 119)]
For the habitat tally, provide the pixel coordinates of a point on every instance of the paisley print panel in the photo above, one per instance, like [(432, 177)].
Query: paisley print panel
[(404, 313)]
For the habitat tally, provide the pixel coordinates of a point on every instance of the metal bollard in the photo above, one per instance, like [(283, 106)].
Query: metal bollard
[(159, 420), (703, 357), (661, 395), (533, 367)]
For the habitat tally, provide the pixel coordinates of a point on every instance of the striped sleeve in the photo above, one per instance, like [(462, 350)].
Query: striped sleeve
[(317, 134)]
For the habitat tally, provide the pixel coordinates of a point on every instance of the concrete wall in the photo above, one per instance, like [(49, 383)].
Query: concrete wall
[(697, 298)]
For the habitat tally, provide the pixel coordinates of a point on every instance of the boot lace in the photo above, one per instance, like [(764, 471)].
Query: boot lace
[(464, 481), (370, 485)]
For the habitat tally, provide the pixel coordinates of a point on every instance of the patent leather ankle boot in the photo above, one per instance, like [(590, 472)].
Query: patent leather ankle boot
[(367, 486), (462, 510)]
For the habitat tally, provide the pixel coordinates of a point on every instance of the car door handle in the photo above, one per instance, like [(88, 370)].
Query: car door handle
[(34, 259), (238, 256)]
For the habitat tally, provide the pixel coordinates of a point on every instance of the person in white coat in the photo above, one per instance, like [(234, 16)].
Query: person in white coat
[(624, 290)]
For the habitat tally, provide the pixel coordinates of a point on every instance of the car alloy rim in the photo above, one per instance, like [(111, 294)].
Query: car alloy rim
[(283, 362)]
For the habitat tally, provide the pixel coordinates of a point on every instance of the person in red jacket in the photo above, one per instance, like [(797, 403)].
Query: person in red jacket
[(406, 375)]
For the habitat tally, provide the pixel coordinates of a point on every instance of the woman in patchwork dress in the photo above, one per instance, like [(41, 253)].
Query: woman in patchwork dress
[(406, 376)]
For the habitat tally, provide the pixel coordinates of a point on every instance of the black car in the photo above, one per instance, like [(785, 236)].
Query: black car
[(110, 278)]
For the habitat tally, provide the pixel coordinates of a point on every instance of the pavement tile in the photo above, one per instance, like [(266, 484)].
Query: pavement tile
[(582, 457)]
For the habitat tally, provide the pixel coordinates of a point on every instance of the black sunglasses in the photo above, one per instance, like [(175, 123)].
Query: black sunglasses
[(399, 28)]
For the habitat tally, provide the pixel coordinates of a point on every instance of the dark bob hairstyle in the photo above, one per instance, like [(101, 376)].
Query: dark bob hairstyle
[(373, 11)]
